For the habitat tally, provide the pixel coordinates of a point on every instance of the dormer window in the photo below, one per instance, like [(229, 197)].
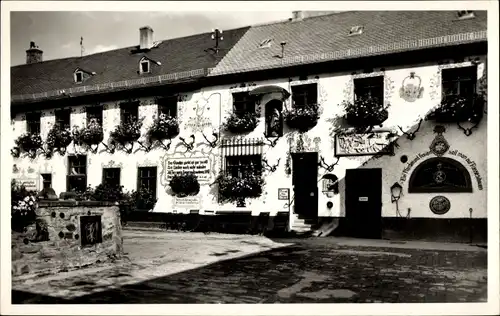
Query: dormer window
[(463, 15), (79, 77), (266, 43), (144, 66), (356, 30)]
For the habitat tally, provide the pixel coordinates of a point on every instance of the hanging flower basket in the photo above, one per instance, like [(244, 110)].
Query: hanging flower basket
[(29, 144), (90, 136), (236, 189), (164, 127), (302, 118), (126, 134), (365, 112), (58, 140), (241, 123), (23, 206), (185, 184), (456, 108)]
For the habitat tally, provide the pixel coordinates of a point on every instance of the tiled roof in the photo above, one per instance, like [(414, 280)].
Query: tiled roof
[(177, 56), (326, 37)]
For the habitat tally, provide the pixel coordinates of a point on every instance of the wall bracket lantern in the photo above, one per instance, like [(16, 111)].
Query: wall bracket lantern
[(396, 190)]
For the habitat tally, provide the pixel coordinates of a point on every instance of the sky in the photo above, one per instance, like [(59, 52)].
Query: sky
[(58, 33)]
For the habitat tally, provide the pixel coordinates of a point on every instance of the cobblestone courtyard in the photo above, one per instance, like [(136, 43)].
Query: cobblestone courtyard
[(163, 267)]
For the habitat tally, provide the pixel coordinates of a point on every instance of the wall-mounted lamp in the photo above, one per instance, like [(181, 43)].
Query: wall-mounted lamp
[(396, 190)]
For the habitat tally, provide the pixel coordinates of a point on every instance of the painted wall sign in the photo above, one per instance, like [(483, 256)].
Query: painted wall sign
[(188, 202), (31, 184), (363, 144), (283, 193), (411, 164), (198, 165), (471, 164)]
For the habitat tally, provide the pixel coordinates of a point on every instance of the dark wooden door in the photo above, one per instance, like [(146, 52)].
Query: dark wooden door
[(305, 183), (363, 202)]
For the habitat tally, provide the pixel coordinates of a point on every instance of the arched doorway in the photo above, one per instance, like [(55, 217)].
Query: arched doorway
[(440, 174), (274, 118)]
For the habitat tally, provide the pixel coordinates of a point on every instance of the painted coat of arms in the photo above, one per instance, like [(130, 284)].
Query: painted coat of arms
[(411, 89)]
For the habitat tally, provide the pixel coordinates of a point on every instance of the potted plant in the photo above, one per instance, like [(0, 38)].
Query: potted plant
[(302, 118), (185, 184), (365, 112), (28, 143), (92, 135), (456, 108), (126, 134), (238, 123), (58, 140)]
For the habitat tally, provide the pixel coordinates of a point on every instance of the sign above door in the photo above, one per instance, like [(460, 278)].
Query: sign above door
[(373, 143)]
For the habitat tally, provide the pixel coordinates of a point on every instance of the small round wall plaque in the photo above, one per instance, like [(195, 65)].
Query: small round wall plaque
[(439, 205)]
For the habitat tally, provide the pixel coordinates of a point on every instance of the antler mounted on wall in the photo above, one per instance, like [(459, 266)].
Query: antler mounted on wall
[(189, 146), (468, 131), (411, 135), (268, 167), (111, 148), (326, 166), (272, 142), (213, 143)]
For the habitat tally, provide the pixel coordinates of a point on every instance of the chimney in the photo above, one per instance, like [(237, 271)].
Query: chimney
[(146, 37), (34, 55), (297, 15)]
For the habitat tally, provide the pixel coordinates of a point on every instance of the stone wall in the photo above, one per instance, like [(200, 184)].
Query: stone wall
[(67, 235)]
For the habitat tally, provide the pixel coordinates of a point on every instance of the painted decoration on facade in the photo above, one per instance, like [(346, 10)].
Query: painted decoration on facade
[(112, 164), (200, 166), (439, 145), (411, 88), (199, 121), (471, 164), (353, 144), (439, 205), (301, 142)]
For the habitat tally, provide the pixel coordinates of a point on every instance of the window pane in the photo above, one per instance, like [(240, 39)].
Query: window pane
[(94, 112), (303, 95), (63, 118), (168, 106), (111, 176), (33, 123), (47, 180), (129, 111)]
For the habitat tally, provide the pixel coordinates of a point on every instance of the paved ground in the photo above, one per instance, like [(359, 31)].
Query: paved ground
[(196, 268)]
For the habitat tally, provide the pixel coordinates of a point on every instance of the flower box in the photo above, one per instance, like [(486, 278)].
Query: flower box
[(164, 127), (58, 140), (365, 112), (29, 143), (235, 189), (127, 133), (241, 123), (302, 118), (456, 108), (91, 135)]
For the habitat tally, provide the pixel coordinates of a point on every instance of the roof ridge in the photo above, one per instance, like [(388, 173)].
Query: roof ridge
[(129, 47)]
